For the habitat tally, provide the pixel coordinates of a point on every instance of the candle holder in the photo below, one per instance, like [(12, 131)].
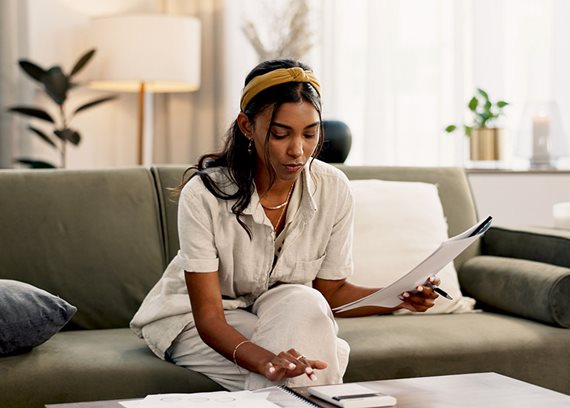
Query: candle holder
[(541, 138)]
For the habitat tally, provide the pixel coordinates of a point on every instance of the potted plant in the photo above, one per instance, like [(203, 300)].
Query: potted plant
[(56, 85), (486, 140)]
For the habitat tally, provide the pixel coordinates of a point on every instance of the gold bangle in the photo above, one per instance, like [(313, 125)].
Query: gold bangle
[(235, 351)]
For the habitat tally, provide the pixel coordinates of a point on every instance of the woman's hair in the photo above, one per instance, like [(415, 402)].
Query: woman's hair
[(240, 164)]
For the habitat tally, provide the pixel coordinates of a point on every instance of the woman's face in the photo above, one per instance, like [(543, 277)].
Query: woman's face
[(294, 136)]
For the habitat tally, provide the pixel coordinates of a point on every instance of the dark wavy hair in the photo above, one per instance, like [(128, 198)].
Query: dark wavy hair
[(241, 165)]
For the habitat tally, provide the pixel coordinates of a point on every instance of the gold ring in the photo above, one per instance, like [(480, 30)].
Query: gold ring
[(300, 357)]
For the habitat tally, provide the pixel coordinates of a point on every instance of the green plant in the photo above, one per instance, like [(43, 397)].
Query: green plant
[(485, 112), (56, 85)]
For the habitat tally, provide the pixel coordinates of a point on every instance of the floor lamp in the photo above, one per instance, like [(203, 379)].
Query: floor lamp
[(149, 53)]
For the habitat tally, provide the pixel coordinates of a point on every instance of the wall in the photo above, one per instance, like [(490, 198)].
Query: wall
[(519, 198)]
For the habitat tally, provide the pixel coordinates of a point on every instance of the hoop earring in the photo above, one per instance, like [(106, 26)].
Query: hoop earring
[(250, 146)]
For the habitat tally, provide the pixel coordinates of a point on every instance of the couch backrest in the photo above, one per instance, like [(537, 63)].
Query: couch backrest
[(453, 187), (92, 237)]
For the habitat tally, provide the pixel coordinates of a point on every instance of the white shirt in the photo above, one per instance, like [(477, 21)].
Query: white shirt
[(318, 243)]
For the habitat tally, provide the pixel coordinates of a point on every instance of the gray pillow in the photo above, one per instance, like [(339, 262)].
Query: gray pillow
[(530, 289), (29, 316)]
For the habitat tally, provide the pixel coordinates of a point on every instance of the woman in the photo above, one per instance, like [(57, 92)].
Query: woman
[(265, 249)]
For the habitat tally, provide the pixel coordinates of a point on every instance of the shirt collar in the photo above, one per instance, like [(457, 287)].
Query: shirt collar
[(308, 204)]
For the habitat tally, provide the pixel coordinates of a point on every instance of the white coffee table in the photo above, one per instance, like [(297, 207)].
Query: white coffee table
[(482, 390)]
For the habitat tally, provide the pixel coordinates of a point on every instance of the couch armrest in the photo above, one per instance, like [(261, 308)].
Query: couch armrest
[(529, 289), (548, 245)]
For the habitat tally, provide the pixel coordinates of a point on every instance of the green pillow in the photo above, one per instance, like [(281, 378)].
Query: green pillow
[(29, 316), (534, 290)]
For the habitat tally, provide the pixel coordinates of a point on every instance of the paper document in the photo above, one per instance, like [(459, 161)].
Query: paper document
[(444, 254), (216, 399)]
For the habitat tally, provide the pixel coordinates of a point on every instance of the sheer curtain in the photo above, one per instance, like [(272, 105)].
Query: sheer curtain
[(189, 125), (399, 71), (13, 90)]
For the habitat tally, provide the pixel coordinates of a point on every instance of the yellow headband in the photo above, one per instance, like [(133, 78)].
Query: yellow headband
[(277, 77)]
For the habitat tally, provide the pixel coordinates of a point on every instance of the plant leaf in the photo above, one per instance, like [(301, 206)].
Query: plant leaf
[(473, 103), (36, 164), (483, 94), (34, 71), (94, 103), (82, 62), (468, 130), (68, 135), (56, 84), (33, 112), (42, 135), (450, 128), (502, 104)]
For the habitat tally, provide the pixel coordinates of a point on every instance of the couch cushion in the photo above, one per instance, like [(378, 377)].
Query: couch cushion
[(29, 316), (453, 189), (90, 236), (396, 226), (384, 347), (168, 177), (91, 365), (530, 289)]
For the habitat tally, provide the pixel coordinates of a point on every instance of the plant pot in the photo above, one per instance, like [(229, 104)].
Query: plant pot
[(486, 144)]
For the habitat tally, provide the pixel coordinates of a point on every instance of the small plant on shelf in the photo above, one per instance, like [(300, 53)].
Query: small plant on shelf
[(485, 112)]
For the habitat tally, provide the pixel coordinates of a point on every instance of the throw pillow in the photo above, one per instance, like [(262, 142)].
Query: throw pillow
[(29, 316), (396, 226)]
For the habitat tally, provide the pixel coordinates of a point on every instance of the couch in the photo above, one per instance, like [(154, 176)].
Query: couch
[(100, 239)]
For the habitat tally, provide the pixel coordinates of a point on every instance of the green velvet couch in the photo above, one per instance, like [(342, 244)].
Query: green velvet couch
[(100, 239)]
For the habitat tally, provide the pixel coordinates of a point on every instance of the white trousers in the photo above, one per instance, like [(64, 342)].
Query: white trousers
[(287, 316)]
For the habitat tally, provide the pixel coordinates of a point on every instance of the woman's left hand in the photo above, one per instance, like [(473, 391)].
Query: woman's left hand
[(422, 298)]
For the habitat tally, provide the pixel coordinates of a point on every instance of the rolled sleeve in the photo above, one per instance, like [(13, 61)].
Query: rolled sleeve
[(198, 251)]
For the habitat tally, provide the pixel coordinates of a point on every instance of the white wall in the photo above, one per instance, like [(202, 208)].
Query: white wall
[(520, 198)]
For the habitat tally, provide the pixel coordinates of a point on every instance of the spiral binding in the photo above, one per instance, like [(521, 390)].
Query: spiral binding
[(298, 395)]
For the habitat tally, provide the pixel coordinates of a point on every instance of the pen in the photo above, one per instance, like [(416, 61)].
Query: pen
[(341, 397), (439, 290)]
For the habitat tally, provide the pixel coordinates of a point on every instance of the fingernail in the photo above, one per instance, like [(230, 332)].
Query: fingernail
[(420, 288), (271, 370), (309, 370), (292, 366), (313, 377), (406, 295)]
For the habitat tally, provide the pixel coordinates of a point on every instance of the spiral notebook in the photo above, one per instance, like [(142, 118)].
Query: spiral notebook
[(286, 397)]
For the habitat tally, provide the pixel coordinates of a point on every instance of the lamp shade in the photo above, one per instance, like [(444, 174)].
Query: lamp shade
[(161, 51)]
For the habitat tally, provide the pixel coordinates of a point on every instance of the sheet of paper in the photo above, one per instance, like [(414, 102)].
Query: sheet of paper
[(444, 254), (218, 399)]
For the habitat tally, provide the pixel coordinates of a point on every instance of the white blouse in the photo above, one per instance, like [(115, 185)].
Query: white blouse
[(318, 243)]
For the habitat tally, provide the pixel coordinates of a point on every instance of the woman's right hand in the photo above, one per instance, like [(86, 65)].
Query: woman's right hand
[(291, 363)]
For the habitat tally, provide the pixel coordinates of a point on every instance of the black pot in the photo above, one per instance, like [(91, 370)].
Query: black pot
[(337, 141)]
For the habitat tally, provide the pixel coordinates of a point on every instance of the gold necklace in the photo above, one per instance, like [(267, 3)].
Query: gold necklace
[(277, 207), (283, 204), (284, 209)]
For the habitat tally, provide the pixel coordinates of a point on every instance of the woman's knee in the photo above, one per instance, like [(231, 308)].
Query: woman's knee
[(295, 300)]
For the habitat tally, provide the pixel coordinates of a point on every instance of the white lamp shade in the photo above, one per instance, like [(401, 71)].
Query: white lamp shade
[(163, 51)]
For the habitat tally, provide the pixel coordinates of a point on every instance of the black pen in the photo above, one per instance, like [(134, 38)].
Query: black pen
[(439, 290), (349, 396)]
